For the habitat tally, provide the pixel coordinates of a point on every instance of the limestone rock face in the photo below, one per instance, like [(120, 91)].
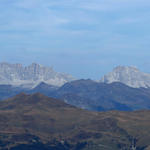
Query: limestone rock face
[(30, 76), (130, 76)]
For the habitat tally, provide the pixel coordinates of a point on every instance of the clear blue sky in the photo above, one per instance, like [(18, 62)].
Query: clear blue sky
[(85, 38)]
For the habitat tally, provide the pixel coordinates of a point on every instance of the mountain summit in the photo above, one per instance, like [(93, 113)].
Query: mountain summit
[(30, 76), (128, 75)]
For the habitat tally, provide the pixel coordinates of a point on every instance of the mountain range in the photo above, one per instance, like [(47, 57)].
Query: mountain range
[(69, 114), (90, 95), (30, 76), (111, 93), (37, 122)]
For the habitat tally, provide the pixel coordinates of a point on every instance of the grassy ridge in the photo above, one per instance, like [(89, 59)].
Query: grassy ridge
[(38, 122)]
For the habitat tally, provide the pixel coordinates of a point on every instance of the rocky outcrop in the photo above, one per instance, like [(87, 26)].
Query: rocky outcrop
[(30, 76), (130, 76)]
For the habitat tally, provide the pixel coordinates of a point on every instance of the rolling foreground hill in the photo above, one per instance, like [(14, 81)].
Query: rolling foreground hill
[(36, 122)]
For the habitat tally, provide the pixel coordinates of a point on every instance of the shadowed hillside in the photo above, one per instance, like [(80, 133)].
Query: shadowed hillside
[(90, 95), (101, 96)]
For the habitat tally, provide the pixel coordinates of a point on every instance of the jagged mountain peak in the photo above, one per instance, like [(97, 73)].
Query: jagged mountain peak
[(128, 75), (30, 76), (39, 66), (123, 68)]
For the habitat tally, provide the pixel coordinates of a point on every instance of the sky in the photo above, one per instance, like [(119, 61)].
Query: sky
[(85, 38)]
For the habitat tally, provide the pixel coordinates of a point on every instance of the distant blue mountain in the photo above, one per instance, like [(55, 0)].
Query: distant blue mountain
[(90, 95)]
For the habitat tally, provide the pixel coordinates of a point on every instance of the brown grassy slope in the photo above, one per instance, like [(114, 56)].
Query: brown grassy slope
[(26, 119)]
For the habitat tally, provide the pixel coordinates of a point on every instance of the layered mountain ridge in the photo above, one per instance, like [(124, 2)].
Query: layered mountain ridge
[(33, 121), (87, 94), (30, 76), (90, 95)]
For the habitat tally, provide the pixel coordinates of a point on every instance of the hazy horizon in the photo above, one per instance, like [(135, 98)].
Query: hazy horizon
[(86, 39)]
